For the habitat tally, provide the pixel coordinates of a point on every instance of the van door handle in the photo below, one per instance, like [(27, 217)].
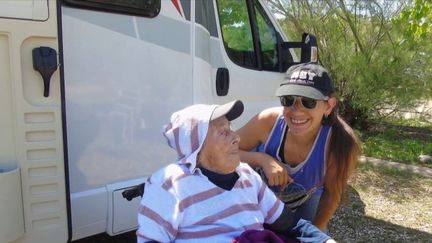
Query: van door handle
[(45, 62), (222, 81)]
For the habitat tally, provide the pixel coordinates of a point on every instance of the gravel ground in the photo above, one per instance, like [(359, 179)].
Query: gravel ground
[(385, 205), (382, 205)]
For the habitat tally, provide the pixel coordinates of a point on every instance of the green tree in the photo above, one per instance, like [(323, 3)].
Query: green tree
[(416, 19), (376, 71)]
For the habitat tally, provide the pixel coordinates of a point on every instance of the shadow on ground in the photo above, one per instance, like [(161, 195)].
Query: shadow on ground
[(128, 237), (351, 224)]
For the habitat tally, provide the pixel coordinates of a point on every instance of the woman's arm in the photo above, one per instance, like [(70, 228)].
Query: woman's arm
[(254, 133), (257, 129), (255, 159), (330, 198), (276, 173)]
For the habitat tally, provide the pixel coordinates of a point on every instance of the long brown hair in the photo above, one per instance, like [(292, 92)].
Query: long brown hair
[(344, 148)]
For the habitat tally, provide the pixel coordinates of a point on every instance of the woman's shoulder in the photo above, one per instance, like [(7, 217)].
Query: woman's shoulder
[(257, 129), (270, 115), (263, 121)]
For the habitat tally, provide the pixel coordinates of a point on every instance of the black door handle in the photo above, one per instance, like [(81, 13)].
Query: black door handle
[(222, 81), (45, 62)]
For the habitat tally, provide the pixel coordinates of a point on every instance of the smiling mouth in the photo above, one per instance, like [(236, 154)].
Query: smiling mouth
[(298, 121)]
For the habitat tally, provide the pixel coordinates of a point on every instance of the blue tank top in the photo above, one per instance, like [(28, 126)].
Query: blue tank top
[(309, 173)]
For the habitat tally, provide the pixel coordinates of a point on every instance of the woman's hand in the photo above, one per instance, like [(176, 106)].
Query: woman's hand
[(276, 173)]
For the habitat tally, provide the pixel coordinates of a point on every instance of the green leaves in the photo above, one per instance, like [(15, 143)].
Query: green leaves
[(375, 50), (416, 19)]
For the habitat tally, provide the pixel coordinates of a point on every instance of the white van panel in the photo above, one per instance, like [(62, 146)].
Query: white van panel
[(115, 108), (122, 214), (90, 212), (115, 112), (24, 9), (7, 142), (11, 210), (31, 128), (255, 88)]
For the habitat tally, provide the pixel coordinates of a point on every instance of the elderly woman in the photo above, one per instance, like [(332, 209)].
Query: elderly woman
[(208, 195)]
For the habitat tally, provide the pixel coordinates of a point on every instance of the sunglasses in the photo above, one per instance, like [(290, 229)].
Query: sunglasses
[(306, 102)]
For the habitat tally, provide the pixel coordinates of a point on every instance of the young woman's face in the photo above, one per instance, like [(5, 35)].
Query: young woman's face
[(303, 120)]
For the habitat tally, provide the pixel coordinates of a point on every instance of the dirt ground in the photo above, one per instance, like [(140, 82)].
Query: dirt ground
[(383, 205)]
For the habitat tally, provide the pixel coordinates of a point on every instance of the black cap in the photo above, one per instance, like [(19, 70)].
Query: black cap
[(308, 80), (230, 110)]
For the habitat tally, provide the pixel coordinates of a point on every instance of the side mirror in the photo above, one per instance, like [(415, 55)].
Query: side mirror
[(308, 51)]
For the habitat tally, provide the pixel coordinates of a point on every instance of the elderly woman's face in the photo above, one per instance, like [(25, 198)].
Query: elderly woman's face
[(220, 151)]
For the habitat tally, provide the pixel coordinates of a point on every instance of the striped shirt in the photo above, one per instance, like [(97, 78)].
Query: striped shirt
[(183, 206)]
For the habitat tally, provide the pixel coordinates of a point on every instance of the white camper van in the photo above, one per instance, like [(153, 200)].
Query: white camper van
[(86, 85)]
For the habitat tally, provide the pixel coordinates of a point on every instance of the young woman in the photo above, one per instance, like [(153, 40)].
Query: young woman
[(304, 141)]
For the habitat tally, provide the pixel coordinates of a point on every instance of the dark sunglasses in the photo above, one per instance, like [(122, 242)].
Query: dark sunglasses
[(289, 101)]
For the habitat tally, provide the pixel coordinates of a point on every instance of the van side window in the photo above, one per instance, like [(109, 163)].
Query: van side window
[(236, 32), (267, 35), (205, 16), (238, 23), (148, 8)]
